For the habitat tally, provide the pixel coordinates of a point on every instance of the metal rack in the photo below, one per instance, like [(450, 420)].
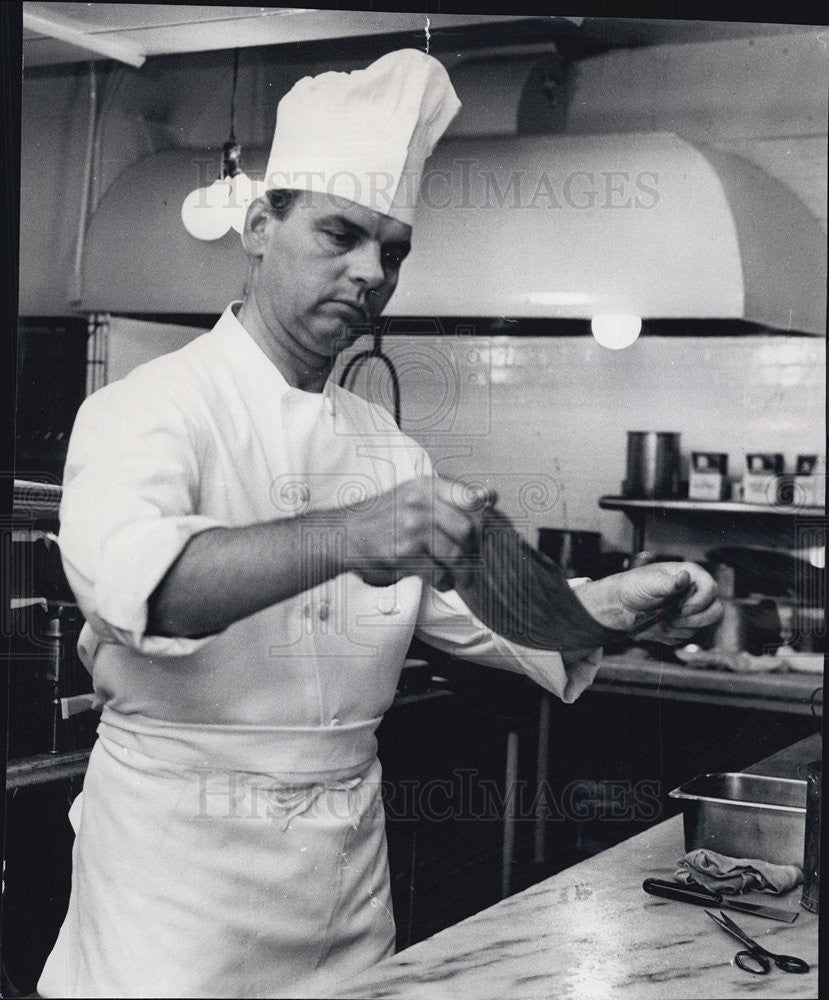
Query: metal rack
[(35, 517), (36, 501), (637, 511), (44, 767)]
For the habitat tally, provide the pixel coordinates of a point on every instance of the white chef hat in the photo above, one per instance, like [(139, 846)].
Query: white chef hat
[(364, 135)]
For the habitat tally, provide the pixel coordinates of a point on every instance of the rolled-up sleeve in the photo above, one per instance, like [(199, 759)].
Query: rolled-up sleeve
[(131, 487), (445, 622)]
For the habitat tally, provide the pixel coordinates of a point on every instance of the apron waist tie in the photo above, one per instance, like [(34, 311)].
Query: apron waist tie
[(291, 755), (298, 800)]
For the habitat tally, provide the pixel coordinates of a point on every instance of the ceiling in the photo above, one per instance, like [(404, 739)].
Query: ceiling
[(58, 32), (159, 29)]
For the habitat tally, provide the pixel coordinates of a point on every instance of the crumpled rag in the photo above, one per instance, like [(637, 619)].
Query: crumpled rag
[(732, 875)]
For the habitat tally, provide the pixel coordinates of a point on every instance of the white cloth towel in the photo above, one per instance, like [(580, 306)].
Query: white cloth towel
[(732, 875)]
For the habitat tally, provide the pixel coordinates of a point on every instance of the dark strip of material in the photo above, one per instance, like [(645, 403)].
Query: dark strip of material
[(524, 596)]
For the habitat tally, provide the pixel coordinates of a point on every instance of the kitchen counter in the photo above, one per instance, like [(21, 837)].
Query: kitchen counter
[(591, 931), (633, 672)]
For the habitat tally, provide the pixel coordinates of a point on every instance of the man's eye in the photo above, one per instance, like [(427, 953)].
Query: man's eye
[(392, 259), (340, 239)]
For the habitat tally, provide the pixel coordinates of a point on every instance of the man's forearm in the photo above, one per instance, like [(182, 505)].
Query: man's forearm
[(225, 574)]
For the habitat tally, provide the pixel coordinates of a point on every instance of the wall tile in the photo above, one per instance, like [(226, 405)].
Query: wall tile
[(562, 407)]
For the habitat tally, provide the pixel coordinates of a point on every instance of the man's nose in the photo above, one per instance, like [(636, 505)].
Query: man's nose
[(366, 265)]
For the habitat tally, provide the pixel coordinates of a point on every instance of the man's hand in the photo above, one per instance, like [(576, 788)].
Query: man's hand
[(424, 527), (681, 595)]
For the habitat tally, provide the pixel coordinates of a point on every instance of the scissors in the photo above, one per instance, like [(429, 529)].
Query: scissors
[(755, 959)]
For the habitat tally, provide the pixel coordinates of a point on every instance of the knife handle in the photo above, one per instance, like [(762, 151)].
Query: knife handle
[(697, 894), (664, 614)]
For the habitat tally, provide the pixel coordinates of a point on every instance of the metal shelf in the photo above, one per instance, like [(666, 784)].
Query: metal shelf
[(637, 510), (36, 501), (709, 507), (45, 767)]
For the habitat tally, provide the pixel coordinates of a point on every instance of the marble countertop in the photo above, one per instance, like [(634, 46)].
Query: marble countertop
[(591, 931)]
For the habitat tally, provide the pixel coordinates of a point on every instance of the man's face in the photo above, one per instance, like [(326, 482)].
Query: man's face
[(329, 265)]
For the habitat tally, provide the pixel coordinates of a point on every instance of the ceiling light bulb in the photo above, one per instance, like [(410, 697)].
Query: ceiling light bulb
[(206, 212), (616, 331), (817, 556)]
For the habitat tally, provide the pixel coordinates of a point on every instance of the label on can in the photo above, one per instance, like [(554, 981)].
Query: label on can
[(709, 461), (764, 462), (706, 485)]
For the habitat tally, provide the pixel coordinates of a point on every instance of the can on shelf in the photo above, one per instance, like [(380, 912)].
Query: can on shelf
[(809, 481), (708, 475), (761, 482)]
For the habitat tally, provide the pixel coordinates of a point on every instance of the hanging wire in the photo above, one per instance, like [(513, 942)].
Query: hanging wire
[(376, 351), (233, 96), (232, 151)]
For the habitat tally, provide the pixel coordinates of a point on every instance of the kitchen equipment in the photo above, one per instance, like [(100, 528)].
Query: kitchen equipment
[(748, 625), (809, 630), (811, 852), (763, 463), (755, 958), (578, 553), (652, 465), (705, 208), (809, 481), (785, 613), (708, 476), (771, 572), (745, 816), (700, 896), (761, 482)]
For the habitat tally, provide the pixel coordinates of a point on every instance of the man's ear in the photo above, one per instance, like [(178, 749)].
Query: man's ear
[(257, 222)]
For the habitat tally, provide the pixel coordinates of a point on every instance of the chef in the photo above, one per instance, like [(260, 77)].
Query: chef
[(253, 548)]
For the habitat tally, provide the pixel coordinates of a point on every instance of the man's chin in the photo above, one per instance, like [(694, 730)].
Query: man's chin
[(327, 344), (343, 337)]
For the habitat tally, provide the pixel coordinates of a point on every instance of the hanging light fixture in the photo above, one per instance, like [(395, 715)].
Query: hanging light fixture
[(210, 212), (616, 331)]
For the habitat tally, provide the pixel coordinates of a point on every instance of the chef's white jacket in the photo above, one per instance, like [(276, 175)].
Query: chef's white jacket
[(273, 718)]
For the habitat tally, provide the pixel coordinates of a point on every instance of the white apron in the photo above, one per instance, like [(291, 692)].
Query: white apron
[(294, 869)]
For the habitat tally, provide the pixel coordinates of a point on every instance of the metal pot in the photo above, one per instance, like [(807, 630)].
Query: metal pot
[(745, 815), (652, 465), (748, 624)]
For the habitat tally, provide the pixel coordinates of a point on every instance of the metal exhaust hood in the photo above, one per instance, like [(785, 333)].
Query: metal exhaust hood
[(523, 226)]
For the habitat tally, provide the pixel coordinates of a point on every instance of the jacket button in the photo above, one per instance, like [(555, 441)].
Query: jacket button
[(324, 611)]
